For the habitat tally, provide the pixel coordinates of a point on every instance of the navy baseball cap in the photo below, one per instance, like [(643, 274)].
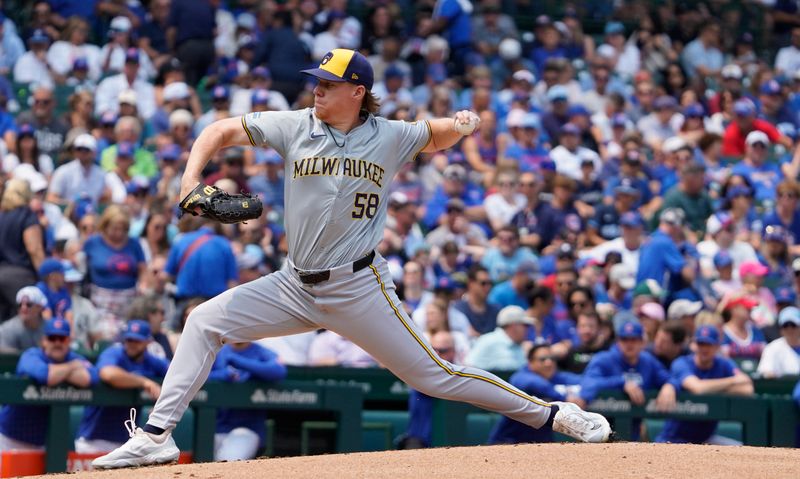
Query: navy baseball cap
[(220, 93), (26, 129), (39, 36), (722, 259), (776, 233), (137, 330), (707, 334), (548, 165), (630, 330), (744, 107), (785, 295), (260, 97), (132, 55), (49, 266), (570, 129), (169, 152), (738, 190), (619, 120), (664, 102), (695, 110), (770, 87), (626, 187), (80, 63), (343, 65), (577, 110), (261, 72), (126, 149), (631, 219), (57, 327)]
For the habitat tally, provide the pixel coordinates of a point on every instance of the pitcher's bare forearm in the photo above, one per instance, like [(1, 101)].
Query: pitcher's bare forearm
[(218, 135)]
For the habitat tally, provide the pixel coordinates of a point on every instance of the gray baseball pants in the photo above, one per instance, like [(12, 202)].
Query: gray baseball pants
[(362, 307)]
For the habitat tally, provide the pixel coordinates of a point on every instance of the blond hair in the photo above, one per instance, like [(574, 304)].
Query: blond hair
[(370, 103), (112, 214), (17, 193)]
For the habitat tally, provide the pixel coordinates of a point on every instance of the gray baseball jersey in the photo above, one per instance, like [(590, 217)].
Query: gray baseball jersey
[(336, 184), (336, 187)]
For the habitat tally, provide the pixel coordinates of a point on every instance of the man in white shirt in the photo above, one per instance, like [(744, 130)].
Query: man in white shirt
[(80, 176), (788, 58), (32, 67), (569, 155), (722, 237), (628, 245), (782, 356), (109, 89)]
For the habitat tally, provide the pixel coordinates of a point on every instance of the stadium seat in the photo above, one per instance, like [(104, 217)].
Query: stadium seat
[(479, 426)]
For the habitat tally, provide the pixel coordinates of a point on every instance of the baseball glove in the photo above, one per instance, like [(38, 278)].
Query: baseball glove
[(221, 206)]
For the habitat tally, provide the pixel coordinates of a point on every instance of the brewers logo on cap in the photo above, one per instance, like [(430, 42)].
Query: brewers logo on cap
[(342, 65)]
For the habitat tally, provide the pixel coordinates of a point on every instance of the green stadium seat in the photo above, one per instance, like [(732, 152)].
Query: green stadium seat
[(479, 426), (398, 420), (376, 436)]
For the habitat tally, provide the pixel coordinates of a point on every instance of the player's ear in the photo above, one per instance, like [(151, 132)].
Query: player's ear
[(359, 91)]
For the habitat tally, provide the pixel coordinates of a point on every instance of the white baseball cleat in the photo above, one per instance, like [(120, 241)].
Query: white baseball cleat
[(142, 449), (579, 424)]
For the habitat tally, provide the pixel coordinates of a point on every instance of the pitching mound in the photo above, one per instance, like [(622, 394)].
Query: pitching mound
[(551, 461)]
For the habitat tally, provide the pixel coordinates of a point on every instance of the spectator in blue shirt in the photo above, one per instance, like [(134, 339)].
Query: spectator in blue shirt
[(629, 368), (540, 378), (54, 363), (701, 57), (454, 185), (202, 262), (269, 186), (125, 365), (451, 18), (240, 432), (549, 39), (502, 261), (481, 313), (114, 262), (502, 349), (660, 259), (514, 291), (786, 213), (763, 176), (704, 372), (11, 46)]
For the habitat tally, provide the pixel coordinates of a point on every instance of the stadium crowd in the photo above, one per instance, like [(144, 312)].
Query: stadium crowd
[(625, 218)]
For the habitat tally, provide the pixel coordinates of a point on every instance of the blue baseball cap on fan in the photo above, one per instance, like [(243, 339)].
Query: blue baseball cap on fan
[(630, 330), (343, 65), (57, 327), (137, 330), (707, 334)]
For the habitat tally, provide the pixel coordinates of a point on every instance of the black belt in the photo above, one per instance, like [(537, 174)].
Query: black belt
[(320, 276)]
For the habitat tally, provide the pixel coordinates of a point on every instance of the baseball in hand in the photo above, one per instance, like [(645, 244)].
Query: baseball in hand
[(466, 122)]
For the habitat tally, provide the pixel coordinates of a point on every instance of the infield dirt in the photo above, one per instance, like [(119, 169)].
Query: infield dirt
[(542, 461)]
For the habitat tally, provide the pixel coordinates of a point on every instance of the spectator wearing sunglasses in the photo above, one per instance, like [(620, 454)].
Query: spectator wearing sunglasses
[(51, 364), (781, 357), (24, 330), (540, 377)]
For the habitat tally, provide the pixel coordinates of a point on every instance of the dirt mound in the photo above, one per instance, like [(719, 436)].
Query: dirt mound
[(551, 461)]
